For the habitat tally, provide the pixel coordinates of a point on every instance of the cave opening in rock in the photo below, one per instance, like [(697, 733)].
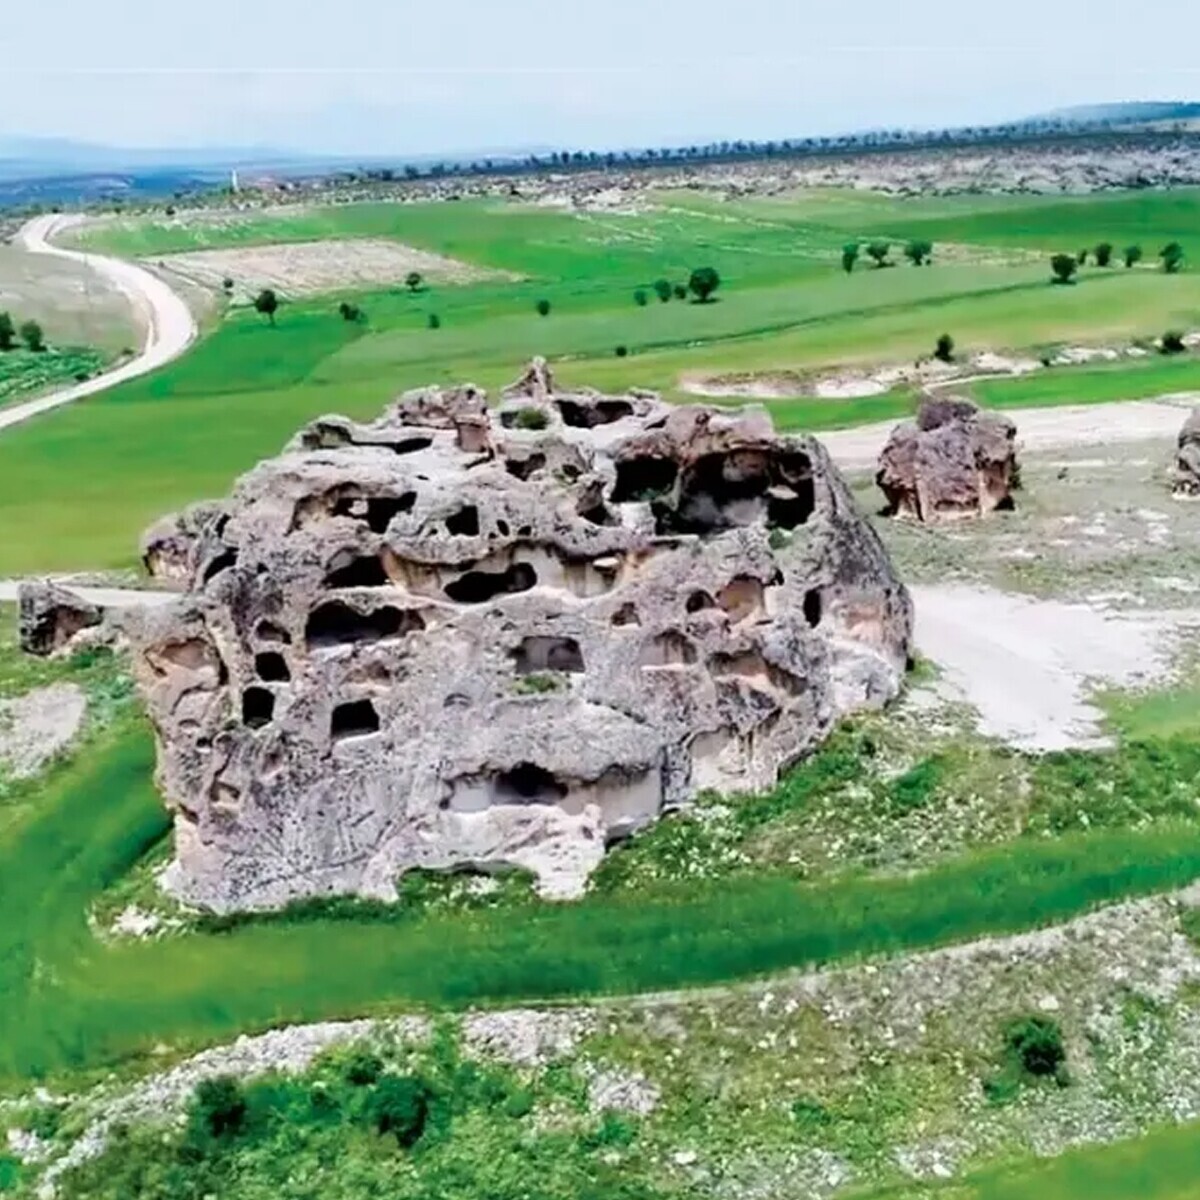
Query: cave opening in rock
[(669, 649), (224, 561), (588, 416), (271, 667), (356, 718), (524, 468), (347, 571), (790, 506), (627, 614), (644, 478), (258, 707), (268, 631), (381, 510), (337, 624), (536, 654), (478, 587), (528, 783), (698, 601), (812, 607), (742, 597), (465, 522), (412, 445)]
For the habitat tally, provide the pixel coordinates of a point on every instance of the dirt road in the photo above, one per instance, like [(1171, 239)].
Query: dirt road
[(1040, 429), (169, 325)]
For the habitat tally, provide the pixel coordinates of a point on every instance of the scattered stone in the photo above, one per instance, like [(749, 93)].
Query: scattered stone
[(1187, 458), (615, 1091), (953, 461), (37, 726), (526, 1037), (51, 616), (396, 652)]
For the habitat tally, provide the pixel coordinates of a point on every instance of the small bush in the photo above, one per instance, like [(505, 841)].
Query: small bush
[(1172, 257), (227, 284), (361, 1067), (614, 1132), (679, 291), (641, 297), (919, 252), (413, 281), (1104, 253), (1037, 1044), (1172, 342), (400, 1106), (350, 312), (543, 308), (850, 253), (1082, 258), (703, 282), (531, 418), (622, 351), (218, 1108), (33, 337), (663, 289), (810, 1117), (944, 350), (538, 684), (879, 251), (435, 322), (1132, 255)]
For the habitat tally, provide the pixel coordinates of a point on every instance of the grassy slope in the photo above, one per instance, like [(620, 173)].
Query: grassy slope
[(186, 432), (72, 1002)]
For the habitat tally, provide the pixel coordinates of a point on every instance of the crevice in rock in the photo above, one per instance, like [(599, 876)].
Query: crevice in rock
[(812, 607), (627, 614), (224, 561), (646, 477), (271, 667), (525, 468), (588, 416), (698, 601), (465, 522), (411, 445)]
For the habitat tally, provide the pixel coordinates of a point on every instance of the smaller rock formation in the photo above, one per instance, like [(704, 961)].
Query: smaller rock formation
[(169, 545), (954, 460), (51, 616), (1187, 458)]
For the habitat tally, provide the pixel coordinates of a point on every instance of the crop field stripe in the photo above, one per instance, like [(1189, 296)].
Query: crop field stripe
[(72, 1001)]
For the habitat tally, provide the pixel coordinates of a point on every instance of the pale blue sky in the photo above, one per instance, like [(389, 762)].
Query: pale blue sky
[(401, 76)]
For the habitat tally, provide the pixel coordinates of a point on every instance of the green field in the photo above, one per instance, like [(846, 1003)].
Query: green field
[(188, 431)]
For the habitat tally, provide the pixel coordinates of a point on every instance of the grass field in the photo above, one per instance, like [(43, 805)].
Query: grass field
[(785, 303)]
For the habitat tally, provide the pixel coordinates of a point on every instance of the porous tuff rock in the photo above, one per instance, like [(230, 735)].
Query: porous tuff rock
[(953, 461), (51, 617), (168, 546), (400, 653), (1187, 457)]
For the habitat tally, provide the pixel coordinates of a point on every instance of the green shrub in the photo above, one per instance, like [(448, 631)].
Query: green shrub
[(916, 787), (538, 683), (703, 282), (663, 289), (218, 1108), (879, 251), (361, 1067), (1171, 255), (1104, 253), (614, 1131), (400, 1106), (641, 297), (622, 351), (1132, 255), (850, 253), (1172, 342), (1036, 1043), (1064, 267), (679, 291), (435, 322), (944, 350), (543, 308), (531, 418)]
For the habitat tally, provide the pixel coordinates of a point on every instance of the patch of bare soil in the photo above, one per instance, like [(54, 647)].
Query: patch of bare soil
[(308, 268)]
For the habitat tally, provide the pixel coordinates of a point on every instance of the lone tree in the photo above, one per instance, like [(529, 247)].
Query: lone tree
[(351, 312), (944, 350), (543, 308), (1104, 253), (641, 298), (267, 303), (879, 252), (703, 283), (8, 332), (1172, 257), (413, 281), (1133, 255), (849, 256), (33, 337), (663, 289), (919, 252), (1064, 267)]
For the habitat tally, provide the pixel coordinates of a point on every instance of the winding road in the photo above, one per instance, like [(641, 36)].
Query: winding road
[(168, 322)]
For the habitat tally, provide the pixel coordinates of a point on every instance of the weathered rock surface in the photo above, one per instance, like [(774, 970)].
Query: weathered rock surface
[(954, 460), (453, 639), (51, 617), (1187, 457), (169, 545)]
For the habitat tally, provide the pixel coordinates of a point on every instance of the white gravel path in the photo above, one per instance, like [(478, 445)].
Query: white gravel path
[(1028, 666), (1040, 429), (169, 325)]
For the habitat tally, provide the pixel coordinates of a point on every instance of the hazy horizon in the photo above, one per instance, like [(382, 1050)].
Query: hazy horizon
[(400, 78)]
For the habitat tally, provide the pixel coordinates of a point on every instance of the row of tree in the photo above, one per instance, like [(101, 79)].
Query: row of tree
[(1066, 266), (30, 333), (919, 252)]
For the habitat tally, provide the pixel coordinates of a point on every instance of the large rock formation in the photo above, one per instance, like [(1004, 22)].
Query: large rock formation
[(461, 639), (953, 461), (1187, 458)]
